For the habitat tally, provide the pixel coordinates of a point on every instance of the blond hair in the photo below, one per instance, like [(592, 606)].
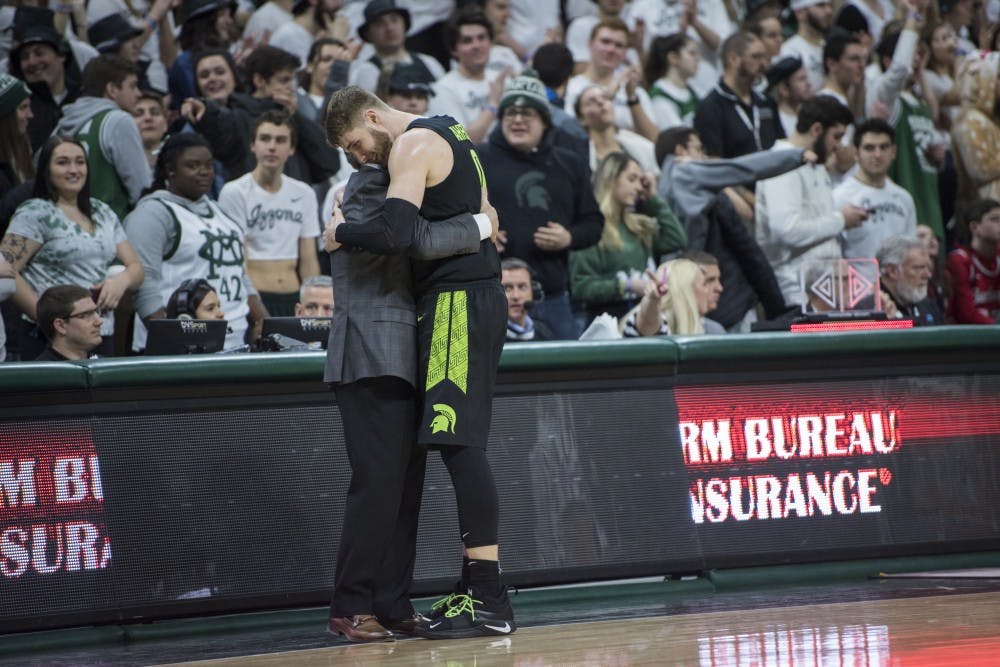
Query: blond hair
[(605, 179), (679, 306)]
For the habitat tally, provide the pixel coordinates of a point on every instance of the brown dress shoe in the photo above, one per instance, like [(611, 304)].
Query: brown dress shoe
[(404, 626), (360, 628)]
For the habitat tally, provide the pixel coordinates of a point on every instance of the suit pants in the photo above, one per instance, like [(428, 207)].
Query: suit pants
[(379, 538)]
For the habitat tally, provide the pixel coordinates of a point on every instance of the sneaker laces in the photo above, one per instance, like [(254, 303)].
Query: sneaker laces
[(460, 605), (444, 602)]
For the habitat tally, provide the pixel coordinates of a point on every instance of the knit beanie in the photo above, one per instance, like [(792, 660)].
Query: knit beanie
[(526, 90), (12, 92)]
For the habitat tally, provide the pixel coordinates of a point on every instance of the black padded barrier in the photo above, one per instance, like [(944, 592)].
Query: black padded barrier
[(136, 489)]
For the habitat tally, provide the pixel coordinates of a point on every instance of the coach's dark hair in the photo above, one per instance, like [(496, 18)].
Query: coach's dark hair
[(57, 303)]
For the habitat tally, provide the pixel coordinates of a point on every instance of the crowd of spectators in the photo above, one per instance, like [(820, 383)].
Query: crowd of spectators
[(676, 164)]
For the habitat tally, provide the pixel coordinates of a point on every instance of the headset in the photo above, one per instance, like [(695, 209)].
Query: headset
[(186, 298)]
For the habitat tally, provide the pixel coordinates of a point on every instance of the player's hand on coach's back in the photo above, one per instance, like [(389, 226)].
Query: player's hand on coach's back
[(330, 230), (486, 207)]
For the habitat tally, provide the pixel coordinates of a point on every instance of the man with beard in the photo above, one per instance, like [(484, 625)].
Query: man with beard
[(906, 269), (371, 364), (788, 84), (797, 222), (435, 173), (814, 18), (734, 119)]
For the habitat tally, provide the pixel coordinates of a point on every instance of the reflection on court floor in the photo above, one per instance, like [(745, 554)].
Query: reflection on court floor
[(939, 630)]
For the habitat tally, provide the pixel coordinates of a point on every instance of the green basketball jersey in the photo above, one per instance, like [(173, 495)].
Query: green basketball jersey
[(105, 184), (911, 169)]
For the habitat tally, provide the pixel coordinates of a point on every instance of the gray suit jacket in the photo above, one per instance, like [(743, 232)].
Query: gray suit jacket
[(373, 331)]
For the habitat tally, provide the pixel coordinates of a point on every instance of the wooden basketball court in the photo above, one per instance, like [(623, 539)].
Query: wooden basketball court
[(946, 629)]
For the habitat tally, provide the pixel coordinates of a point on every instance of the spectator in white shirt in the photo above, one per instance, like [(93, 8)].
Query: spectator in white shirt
[(766, 24), (670, 65), (385, 27), (708, 23), (815, 18), (277, 215), (535, 22), (470, 92), (578, 32), (498, 12), (844, 58), (313, 19), (891, 211), (608, 68), (267, 19), (788, 84), (797, 222)]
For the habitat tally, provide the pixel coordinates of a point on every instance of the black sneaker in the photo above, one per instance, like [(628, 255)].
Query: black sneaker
[(439, 608), (467, 616)]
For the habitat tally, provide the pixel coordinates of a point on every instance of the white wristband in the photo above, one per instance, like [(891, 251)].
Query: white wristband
[(485, 227)]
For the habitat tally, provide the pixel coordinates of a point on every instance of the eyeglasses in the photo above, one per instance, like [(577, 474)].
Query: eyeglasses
[(86, 315), (527, 113)]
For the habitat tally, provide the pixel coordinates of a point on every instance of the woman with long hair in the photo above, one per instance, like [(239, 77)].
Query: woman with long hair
[(62, 236), (672, 62), (179, 232), (675, 302), (15, 147), (639, 228), (215, 75), (207, 25)]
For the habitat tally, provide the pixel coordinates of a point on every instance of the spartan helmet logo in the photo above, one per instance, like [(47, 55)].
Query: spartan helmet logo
[(222, 249), (531, 192), (445, 419)]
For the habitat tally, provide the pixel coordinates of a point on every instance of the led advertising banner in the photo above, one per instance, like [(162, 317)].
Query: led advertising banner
[(222, 504), (837, 465), (55, 551)]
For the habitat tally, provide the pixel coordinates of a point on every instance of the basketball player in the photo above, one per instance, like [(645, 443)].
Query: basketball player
[(435, 173)]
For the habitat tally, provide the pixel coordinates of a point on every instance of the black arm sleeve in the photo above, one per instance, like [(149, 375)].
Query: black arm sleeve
[(397, 228), (390, 231)]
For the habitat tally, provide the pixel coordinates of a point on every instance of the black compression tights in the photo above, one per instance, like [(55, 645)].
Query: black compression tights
[(475, 495)]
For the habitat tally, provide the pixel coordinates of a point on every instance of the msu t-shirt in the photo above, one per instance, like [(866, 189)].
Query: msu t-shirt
[(272, 222)]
